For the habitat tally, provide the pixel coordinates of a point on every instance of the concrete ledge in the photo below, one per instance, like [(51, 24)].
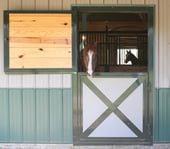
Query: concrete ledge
[(71, 146)]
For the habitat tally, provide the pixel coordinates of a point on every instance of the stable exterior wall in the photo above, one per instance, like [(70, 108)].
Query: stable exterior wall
[(37, 108)]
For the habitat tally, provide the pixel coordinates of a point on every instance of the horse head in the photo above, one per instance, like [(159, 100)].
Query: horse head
[(131, 57), (90, 58)]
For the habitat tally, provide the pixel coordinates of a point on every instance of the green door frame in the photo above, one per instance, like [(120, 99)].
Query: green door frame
[(77, 111)]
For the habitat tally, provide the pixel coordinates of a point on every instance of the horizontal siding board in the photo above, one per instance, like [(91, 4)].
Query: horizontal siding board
[(42, 81), (15, 81), (56, 115), (67, 115), (29, 134), (4, 116), (28, 81), (15, 115), (67, 81), (55, 81)]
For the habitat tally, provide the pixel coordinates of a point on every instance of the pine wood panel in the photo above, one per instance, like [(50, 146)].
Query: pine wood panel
[(37, 40), (40, 63), (40, 53)]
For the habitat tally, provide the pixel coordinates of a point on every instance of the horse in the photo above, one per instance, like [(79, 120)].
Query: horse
[(130, 57), (90, 58)]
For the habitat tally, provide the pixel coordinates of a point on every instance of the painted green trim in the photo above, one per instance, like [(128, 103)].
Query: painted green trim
[(36, 115)]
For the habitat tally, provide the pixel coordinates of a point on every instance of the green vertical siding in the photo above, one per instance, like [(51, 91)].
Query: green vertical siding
[(45, 115), (29, 116), (36, 115), (42, 115), (67, 117), (15, 115), (56, 115), (4, 115), (162, 116)]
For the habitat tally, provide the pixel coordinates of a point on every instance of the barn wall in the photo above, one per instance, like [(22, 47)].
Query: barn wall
[(37, 107), (34, 108)]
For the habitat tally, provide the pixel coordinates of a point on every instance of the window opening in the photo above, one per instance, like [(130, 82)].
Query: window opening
[(121, 56), (115, 34)]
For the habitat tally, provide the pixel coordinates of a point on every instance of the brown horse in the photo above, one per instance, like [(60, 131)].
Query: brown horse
[(131, 57), (90, 58)]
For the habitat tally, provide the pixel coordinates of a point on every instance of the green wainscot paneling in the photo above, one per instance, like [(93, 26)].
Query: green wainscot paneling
[(36, 115), (162, 116)]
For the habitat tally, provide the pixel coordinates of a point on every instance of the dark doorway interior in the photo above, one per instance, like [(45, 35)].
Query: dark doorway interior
[(115, 34)]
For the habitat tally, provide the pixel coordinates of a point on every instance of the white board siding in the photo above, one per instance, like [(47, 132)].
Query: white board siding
[(28, 5), (124, 1), (55, 5), (14, 5), (28, 81), (42, 5), (83, 1), (163, 44), (110, 1), (67, 4), (138, 1), (4, 4), (96, 1), (3, 76), (168, 49)]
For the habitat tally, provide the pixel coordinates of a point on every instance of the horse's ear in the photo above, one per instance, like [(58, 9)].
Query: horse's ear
[(128, 51)]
